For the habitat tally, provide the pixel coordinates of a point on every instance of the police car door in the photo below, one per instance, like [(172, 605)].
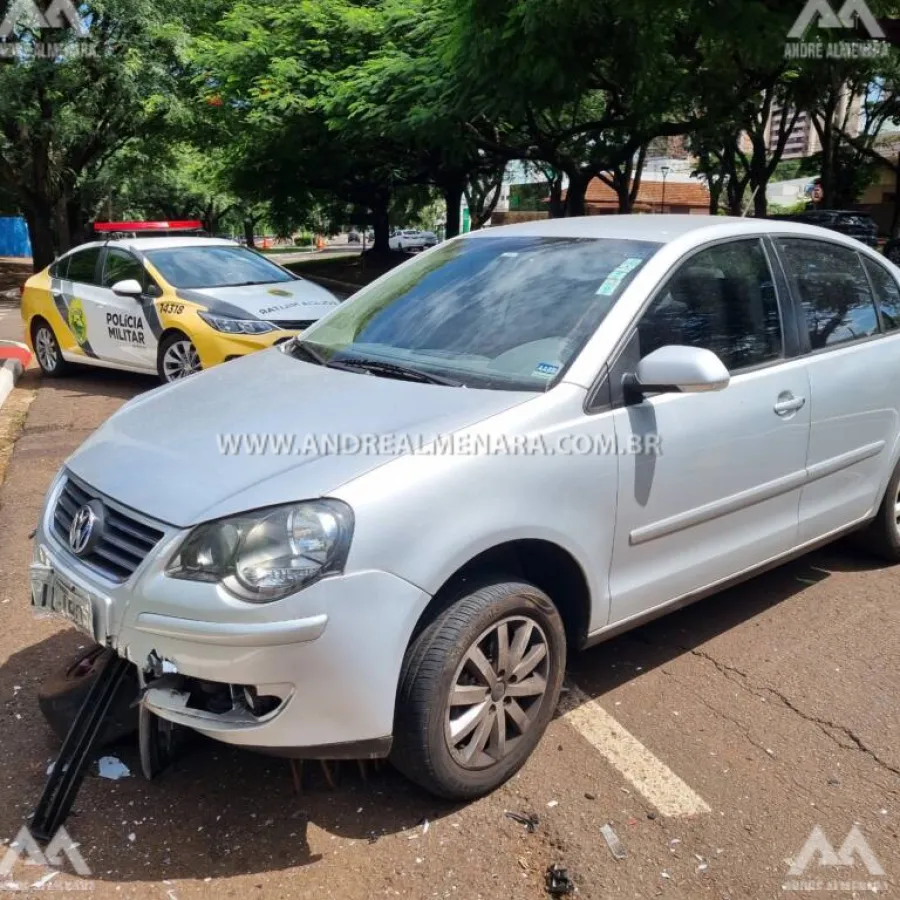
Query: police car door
[(120, 327)]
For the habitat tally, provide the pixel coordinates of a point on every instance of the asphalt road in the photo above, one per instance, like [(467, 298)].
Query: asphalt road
[(713, 742)]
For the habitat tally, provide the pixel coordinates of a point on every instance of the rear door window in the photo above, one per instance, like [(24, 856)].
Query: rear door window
[(887, 294), (832, 287), (83, 266)]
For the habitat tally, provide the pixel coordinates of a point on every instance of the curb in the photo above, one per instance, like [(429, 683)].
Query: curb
[(10, 372), (14, 359)]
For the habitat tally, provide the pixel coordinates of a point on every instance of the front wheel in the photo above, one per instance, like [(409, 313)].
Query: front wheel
[(178, 358), (478, 688)]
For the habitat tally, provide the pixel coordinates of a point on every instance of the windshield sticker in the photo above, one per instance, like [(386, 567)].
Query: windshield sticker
[(617, 276), (545, 369)]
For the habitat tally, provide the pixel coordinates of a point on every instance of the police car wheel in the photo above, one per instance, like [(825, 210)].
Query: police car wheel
[(178, 358), (47, 350)]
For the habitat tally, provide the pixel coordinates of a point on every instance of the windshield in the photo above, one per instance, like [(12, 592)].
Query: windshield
[(498, 312), (215, 266)]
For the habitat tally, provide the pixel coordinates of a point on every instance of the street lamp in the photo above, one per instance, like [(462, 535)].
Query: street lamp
[(665, 172)]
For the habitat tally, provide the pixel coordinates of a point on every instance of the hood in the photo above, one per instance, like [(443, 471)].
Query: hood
[(286, 301), (163, 453)]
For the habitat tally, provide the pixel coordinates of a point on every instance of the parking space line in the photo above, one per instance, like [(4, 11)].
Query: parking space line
[(655, 781)]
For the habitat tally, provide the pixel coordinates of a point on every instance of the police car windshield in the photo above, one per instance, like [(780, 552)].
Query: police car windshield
[(217, 266)]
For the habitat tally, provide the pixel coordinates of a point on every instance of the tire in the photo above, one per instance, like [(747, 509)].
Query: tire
[(47, 350), (61, 696), (882, 537), (438, 660), (177, 347)]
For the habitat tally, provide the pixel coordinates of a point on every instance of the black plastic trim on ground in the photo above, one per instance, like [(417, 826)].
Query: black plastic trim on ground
[(68, 772)]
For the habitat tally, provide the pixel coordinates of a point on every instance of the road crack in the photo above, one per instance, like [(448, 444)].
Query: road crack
[(829, 728)]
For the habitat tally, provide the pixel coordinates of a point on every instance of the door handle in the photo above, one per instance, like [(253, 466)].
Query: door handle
[(788, 403)]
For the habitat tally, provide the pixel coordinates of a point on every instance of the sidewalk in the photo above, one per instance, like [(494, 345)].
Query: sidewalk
[(13, 273)]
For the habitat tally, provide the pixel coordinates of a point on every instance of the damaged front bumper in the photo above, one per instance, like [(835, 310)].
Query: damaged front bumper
[(314, 674)]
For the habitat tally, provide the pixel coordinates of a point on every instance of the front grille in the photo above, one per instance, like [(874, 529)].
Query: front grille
[(293, 324), (125, 541)]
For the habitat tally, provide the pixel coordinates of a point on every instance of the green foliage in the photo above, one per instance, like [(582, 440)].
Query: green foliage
[(67, 102)]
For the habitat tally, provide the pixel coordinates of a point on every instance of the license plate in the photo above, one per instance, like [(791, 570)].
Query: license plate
[(52, 593)]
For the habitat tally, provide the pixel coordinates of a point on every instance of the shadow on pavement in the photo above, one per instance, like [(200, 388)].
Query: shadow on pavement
[(221, 811), (609, 665), (218, 812), (88, 381)]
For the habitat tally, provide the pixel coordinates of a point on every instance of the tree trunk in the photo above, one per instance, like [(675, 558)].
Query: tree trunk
[(77, 225), (381, 225), (453, 195), (63, 232), (575, 193), (557, 208), (40, 233), (249, 232), (760, 201)]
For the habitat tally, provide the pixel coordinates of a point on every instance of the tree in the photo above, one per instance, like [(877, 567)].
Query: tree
[(69, 102), (578, 85)]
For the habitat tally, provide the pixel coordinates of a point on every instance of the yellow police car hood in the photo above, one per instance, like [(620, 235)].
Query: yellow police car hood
[(262, 430)]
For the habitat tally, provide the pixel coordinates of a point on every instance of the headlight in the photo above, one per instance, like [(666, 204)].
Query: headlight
[(230, 325), (268, 554)]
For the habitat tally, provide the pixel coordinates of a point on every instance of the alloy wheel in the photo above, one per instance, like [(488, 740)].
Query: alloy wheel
[(180, 360), (497, 692), (45, 347)]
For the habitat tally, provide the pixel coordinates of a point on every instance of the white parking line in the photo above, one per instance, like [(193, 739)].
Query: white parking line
[(656, 781)]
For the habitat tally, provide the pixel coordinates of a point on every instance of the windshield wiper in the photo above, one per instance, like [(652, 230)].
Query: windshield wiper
[(392, 370), (297, 347)]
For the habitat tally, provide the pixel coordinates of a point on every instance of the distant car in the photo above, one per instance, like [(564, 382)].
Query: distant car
[(852, 222), (409, 239), (353, 237), (431, 238), (171, 306)]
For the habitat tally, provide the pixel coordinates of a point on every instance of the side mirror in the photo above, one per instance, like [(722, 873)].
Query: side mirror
[(130, 287), (678, 369)]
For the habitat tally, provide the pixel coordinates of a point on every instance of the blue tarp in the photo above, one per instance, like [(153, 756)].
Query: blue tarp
[(14, 238)]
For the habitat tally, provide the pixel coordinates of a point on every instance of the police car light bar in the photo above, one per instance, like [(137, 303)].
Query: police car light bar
[(149, 226)]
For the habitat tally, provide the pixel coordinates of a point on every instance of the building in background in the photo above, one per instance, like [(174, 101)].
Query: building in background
[(803, 139)]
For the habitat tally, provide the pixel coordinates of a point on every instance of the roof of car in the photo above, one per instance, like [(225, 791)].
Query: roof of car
[(659, 228)]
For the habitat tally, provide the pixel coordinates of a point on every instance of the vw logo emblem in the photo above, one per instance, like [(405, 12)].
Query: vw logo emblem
[(86, 528)]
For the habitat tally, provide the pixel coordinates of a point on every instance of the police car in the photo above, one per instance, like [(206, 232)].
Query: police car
[(156, 297)]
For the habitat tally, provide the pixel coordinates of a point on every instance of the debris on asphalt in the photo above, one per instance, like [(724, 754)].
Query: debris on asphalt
[(45, 880), (132, 837), (530, 821), (665, 874), (703, 864), (553, 803), (616, 847), (589, 796), (113, 768), (651, 815), (674, 843), (558, 882)]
